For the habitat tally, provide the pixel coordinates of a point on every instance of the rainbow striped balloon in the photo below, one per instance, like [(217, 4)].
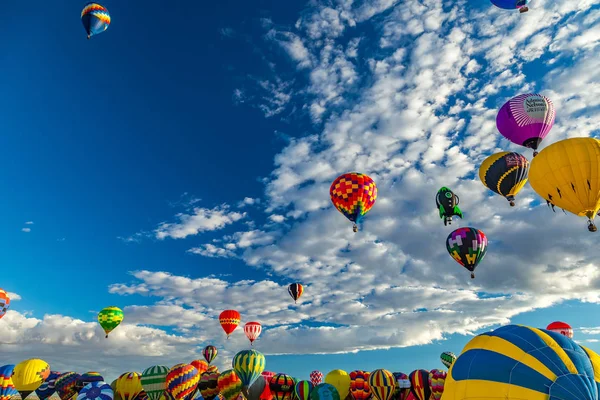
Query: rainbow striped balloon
[(382, 384), (182, 381)]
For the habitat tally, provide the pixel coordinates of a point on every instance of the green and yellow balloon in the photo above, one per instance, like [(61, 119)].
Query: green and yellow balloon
[(110, 318), (248, 366)]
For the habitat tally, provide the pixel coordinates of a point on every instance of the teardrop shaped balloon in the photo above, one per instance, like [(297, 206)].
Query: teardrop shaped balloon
[(505, 173), (468, 247), (526, 119), (448, 358), (353, 194), (359, 385), (248, 366), (210, 353), (229, 320), (230, 385), (566, 174), (325, 391), (252, 330), (95, 19), (66, 385), (7, 388), (4, 303), (302, 390), (316, 377), (419, 384), (109, 318), (182, 381), (209, 385), (382, 384), (98, 390), (295, 290), (436, 383), (154, 381), (29, 375), (282, 387), (129, 385)]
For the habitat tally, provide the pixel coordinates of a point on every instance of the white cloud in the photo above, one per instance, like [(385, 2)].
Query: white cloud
[(26, 229), (29, 223), (248, 201), (590, 331), (200, 220)]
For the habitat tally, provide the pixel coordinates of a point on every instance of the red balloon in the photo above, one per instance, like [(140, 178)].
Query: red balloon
[(229, 320), (561, 327)]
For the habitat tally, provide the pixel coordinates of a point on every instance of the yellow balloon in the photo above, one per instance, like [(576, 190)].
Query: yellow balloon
[(504, 173), (29, 375), (340, 380), (129, 385), (567, 175)]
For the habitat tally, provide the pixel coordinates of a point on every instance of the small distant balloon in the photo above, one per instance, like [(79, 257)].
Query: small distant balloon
[(95, 19)]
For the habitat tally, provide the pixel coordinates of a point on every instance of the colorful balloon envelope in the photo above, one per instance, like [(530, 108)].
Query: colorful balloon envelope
[(95, 19), (353, 194), (66, 385), (182, 381), (229, 320), (210, 353), (526, 120), (248, 366), (200, 365), (448, 358), (567, 174), (252, 331), (154, 381), (48, 388), (520, 362), (230, 385), (359, 385), (436, 383), (109, 318), (4, 303), (382, 384), (561, 327), (402, 391), (209, 385), (467, 246), (295, 290), (98, 390), (302, 390), (419, 384), (505, 174), (29, 375), (7, 388), (520, 5), (340, 380), (316, 377), (324, 391), (129, 385), (282, 387)]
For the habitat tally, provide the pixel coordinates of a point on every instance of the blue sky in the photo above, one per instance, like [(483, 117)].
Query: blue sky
[(135, 151)]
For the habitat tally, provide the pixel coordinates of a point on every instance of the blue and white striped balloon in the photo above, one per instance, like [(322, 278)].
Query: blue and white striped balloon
[(96, 391)]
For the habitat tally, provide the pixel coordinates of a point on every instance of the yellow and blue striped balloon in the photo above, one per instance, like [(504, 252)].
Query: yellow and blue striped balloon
[(519, 362), (248, 366)]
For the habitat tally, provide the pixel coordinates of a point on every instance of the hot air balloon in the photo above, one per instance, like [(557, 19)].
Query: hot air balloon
[(200, 365), (98, 390), (4, 303), (526, 120), (295, 290), (561, 327), (520, 5), (252, 331), (230, 385), (229, 320), (566, 174), (302, 390), (382, 384), (47, 388), (517, 362), (248, 366), (113, 386), (359, 385), (129, 385), (468, 247), (66, 385), (154, 381), (448, 358), (353, 194), (402, 390), (213, 368), (109, 318), (436, 383), (282, 387), (90, 377), (95, 19), (209, 385), (182, 381), (447, 203), (29, 375), (504, 173), (210, 353), (257, 388), (324, 391), (316, 378), (7, 388), (419, 384), (340, 380)]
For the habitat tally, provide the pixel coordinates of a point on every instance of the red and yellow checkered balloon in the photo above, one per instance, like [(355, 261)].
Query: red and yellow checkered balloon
[(353, 194)]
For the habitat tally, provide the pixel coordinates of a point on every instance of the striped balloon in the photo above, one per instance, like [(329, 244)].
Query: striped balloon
[(419, 384), (48, 388), (282, 387), (129, 385), (316, 377), (248, 366), (302, 390), (382, 384), (66, 385), (200, 365), (295, 290), (210, 353), (252, 331), (448, 358), (359, 385), (325, 391), (4, 303), (7, 388), (154, 381), (209, 385), (402, 391), (230, 385), (96, 391), (521, 362), (437, 379), (182, 381)]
